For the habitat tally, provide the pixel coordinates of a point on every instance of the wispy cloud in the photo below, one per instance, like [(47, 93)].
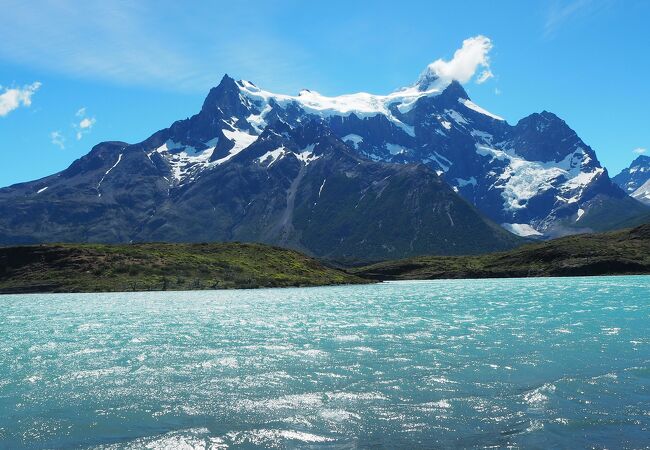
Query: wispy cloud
[(57, 138), (561, 13), (484, 76), (640, 150), (137, 43), (14, 98)]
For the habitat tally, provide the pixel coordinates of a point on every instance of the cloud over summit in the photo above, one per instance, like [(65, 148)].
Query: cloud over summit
[(467, 60)]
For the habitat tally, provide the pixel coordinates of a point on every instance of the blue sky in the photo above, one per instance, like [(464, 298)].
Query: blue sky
[(77, 73)]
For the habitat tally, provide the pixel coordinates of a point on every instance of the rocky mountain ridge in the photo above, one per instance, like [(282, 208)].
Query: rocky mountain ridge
[(355, 177)]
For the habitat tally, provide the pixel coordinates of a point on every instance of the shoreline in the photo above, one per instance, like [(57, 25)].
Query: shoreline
[(369, 282)]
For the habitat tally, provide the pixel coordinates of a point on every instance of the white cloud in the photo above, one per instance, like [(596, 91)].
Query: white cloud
[(14, 98), (466, 61), (57, 139), (82, 126), (85, 124), (640, 150)]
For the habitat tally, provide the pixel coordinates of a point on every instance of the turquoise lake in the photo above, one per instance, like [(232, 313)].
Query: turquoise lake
[(533, 363)]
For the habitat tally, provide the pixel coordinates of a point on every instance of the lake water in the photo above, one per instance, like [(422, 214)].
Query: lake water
[(558, 362)]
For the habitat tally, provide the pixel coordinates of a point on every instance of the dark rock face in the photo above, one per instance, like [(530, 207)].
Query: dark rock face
[(635, 180), (537, 136), (361, 177)]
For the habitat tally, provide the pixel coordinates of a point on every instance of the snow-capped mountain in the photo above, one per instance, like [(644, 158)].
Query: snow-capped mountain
[(535, 178), (299, 187), (357, 176), (635, 180)]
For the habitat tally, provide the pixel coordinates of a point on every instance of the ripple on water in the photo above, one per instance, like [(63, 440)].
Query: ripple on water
[(535, 363)]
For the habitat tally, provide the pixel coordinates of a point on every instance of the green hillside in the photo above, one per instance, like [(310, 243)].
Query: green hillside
[(619, 252), (141, 267)]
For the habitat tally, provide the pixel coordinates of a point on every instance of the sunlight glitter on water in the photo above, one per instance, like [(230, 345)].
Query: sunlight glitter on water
[(463, 363)]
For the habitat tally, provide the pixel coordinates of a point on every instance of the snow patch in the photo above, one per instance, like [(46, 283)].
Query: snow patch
[(522, 180), (306, 155), (362, 104), (241, 140), (42, 190), (354, 138), (395, 149), (456, 116), (642, 194), (474, 107), (271, 156), (460, 182), (521, 229), (185, 161), (482, 135), (440, 160), (119, 158), (257, 121), (321, 187), (577, 184)]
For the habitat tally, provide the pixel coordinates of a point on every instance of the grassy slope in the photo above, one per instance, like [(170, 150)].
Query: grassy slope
[(619, 252), (93, 267)]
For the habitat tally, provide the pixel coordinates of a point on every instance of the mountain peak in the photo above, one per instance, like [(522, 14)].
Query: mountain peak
[(225, 92), (541, 121), (428, 79), (635, 179), (456, 91), (641, 160)]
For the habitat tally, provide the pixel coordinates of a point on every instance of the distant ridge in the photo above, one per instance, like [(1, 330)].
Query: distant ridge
[(635, 179)]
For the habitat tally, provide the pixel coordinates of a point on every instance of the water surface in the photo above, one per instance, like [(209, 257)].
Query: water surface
[(557, 362)]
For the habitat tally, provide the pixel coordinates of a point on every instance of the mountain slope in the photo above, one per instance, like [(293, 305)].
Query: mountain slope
[(619, 252), (298, 187), (635, 180)]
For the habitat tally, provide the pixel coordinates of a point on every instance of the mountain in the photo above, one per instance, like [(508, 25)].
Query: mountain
[(355, 177), (635, 180), (536, 178), (299, 187), (614, 253)]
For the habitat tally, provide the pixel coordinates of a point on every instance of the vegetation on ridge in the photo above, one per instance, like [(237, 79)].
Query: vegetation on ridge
[(141, 267), (619, 252), (138, 267)]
